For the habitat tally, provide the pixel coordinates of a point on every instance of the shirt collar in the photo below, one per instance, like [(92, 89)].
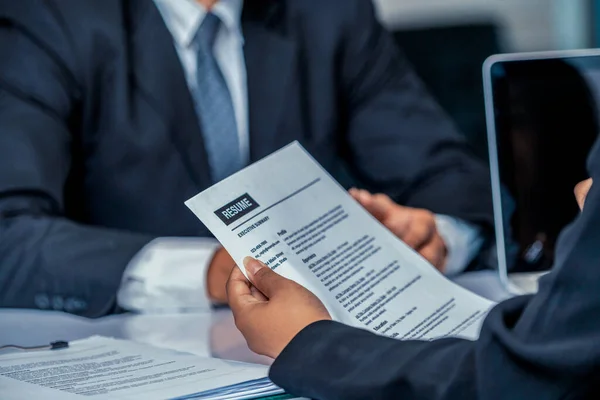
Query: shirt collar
[(183, 17)]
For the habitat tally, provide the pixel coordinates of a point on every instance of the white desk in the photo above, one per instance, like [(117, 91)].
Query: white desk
[(484, 283), (210, 334)]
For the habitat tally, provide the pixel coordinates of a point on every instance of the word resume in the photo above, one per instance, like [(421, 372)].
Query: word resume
[(288, 212)]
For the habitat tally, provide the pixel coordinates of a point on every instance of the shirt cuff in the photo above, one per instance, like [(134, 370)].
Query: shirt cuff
[(168, 276), (463, 242)]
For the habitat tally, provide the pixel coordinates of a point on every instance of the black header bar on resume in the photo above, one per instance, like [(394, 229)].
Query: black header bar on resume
[(277, 203), (236, 209)]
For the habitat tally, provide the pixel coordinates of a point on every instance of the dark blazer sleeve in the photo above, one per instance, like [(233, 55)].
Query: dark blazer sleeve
[(399, 140), (46, 260), (545, 346)]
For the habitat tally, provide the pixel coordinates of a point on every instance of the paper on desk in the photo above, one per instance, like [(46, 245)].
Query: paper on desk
[(288, 212), (116, 369), (11, 389)]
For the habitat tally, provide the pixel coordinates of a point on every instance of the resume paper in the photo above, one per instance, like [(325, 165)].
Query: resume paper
[(288, 212)]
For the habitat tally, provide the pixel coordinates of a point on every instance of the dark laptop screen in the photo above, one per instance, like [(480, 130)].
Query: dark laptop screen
[(546, 115)]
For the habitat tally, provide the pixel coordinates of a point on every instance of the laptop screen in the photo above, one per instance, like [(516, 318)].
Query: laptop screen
[(546, 121)]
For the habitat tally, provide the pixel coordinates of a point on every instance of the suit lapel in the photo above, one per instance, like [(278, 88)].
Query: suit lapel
[(269, 60), (159, 76)]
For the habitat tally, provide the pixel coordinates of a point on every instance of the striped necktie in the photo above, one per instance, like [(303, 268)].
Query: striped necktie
[(214, 105)]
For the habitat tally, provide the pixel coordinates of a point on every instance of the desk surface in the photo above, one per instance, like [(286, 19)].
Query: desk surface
[(209, 334)]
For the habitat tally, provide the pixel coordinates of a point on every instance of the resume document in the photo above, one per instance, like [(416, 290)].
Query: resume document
[(288, 212)]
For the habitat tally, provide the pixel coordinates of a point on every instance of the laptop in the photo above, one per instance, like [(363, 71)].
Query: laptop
[(542, 117)]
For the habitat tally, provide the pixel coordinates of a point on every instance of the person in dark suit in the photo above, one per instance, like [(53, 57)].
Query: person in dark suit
[(114, 112), (543, 346)]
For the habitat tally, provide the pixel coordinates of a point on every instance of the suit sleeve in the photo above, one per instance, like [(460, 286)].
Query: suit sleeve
[(399, 140), (545, 346), (47, 260)]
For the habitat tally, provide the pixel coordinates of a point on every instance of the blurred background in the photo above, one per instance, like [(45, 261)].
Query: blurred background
[(454, 37), (523, 25)]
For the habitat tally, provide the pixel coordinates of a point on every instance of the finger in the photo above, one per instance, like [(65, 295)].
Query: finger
[(399, 221), (238, 291), (419, 233), (362, 196), (581, 191), (379, 205), (257, 294), (436, 253), (265, 279)]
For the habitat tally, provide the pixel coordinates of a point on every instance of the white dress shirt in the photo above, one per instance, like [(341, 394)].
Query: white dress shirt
[(169, 274)]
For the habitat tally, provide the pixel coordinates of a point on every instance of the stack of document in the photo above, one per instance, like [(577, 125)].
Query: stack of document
[(106, 368)]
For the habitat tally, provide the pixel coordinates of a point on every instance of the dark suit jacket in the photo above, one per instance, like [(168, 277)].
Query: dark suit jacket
[(545, 346), (100, 145)]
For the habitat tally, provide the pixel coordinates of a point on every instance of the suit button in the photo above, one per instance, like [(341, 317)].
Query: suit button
[(42, 301), (73, 305), (58, 303)]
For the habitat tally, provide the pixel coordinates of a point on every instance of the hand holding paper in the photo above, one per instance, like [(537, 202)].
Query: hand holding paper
[(416, 227), (277, 310), (287, 212)]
